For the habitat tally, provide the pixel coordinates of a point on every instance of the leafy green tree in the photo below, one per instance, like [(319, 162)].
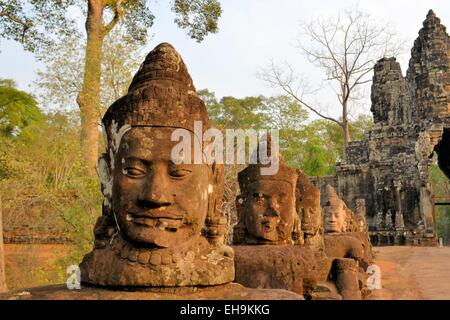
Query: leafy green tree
[(43, 22), (61, 79), (234, 113), (18, 109), (286, 115), (314, 147), (322, 143)]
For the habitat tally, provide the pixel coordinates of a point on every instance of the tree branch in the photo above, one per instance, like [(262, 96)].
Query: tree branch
[(26, 25), (118, 11)]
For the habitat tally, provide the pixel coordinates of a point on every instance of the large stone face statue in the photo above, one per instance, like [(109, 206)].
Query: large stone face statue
[(266, 206), (334, 211), (161, 225)]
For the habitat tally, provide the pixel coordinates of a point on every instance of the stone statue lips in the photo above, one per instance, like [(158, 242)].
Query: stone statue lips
[(332, 225), (158, 219), (307, 226), (268, 224)]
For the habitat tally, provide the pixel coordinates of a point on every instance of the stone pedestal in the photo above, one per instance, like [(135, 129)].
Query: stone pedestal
[(231, 291), (282, 267)]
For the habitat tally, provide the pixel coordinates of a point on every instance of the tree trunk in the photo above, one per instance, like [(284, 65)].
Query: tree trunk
[(346, 129), (3, 287), (89, 97)]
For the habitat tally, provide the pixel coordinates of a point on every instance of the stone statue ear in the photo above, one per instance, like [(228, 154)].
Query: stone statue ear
[(240, 209), (239, 230), (105, 174), (216, 223), (297, 234), (240, 202)]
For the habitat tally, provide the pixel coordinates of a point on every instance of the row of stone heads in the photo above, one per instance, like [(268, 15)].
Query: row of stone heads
[(286, 209), (150, 199), (162, 223)]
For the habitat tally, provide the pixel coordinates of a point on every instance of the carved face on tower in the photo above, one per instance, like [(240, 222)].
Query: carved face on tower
[(266, 206), (308, 205), (157, 202), (334, 212)]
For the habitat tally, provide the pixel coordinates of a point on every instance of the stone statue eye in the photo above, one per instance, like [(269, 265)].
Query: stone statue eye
[(258, 197), (134, 172), (179, 172)]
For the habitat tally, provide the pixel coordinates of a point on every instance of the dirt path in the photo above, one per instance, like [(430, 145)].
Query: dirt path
[(412, 273)]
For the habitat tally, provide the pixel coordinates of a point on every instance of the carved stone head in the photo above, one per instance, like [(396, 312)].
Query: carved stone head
[(308, 205), (334, 211), (266, 206), (158, 212), (154, 201)]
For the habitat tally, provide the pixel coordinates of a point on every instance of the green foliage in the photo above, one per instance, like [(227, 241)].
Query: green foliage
[(198, 16), (61, 80), (234, 113), (322, 143), (39, 24), (315, 147), (43, 186), (36, 23), (18, 109), (441, 191), (137, 19)]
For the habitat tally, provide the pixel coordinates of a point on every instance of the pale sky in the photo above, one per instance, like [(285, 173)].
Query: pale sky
[(251, 33)]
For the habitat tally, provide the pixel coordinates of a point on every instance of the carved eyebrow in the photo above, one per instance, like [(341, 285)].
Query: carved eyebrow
[(135, 160)]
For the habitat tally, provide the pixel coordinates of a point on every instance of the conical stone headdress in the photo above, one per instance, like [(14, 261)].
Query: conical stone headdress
[(161, 95), (253, 173), (330, 196)]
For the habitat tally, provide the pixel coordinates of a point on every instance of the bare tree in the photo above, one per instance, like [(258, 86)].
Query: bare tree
[(3, 287), (345, 49)]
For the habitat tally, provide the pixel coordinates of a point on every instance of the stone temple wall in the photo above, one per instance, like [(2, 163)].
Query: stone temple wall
[(390, 169)]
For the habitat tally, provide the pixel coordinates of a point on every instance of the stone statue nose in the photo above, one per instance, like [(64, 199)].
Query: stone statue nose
[(156, 189), (273, 209)]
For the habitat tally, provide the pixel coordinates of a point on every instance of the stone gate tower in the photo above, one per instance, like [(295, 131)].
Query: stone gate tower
[(390, 170)]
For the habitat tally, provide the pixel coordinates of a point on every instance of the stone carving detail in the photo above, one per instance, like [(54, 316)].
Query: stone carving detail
[(334, 212), (266, 206), (268, 229), (390, 170), (160, 225), (310, 212)]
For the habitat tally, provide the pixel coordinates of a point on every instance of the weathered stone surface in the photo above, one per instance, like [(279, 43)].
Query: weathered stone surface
[(231, 291), (345, 272), (310, 212), (161, 223), (267, 254), (349, 245), (347, 237), (390, 169), (290, 267), (266, 206), (124, 264)]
